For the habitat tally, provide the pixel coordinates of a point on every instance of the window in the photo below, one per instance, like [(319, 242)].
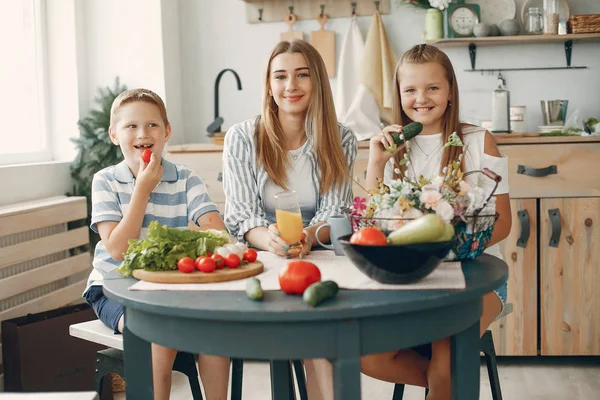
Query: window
[(23, 108)]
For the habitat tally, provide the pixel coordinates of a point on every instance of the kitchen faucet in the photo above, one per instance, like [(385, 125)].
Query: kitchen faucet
[(215, 126)]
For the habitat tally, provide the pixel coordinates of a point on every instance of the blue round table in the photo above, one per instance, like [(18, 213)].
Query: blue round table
[(282, 327)]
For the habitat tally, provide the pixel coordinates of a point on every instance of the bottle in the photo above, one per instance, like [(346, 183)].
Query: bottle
[(551, 17), (501, 107)]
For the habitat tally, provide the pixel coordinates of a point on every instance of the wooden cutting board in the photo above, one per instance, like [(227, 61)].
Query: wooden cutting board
[(219, 275), (324, 41), (291, 34)]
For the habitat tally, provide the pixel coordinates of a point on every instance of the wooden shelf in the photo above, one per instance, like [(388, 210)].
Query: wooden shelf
[(509, 40)]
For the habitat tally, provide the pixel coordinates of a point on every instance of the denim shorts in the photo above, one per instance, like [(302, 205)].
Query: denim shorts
[(108, 311)]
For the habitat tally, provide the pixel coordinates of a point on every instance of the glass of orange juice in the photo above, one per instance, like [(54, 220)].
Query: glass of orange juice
[(288, 216)]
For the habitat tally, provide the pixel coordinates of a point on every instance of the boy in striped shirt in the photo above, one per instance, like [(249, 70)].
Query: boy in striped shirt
[(126, 197)]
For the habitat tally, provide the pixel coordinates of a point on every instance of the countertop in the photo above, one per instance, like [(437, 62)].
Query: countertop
[(503, 139)]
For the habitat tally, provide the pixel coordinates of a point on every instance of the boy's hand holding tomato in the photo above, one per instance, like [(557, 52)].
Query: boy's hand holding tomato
[(149, 175)]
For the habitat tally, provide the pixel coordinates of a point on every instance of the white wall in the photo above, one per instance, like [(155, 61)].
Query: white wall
[(214, 35)]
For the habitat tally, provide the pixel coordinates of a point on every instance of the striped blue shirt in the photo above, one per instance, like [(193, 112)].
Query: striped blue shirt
[(244, 180), (179, 197)]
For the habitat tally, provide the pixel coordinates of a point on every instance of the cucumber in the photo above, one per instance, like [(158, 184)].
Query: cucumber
[(253, 289), (410, 131), (318, 292), (426, 229)]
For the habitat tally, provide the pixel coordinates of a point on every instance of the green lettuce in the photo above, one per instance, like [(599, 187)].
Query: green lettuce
[(165, 246)]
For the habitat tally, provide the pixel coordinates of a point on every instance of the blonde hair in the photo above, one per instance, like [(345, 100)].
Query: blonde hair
[(421, 54), (321, 122), (133, 95)]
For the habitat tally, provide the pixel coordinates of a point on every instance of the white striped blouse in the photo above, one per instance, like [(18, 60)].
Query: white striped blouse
[(244, 180)]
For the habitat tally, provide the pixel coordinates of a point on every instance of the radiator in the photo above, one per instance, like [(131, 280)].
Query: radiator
[(39, 270)]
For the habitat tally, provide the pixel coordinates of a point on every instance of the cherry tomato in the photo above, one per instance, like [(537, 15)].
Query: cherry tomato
[(250, 255), (208, 254), (219, 261), (369, 237), (205, 264), (146, 155), (232, 261), (296, 276), (186, 265)]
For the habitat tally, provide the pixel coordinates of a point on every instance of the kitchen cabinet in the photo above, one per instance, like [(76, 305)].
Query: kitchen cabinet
[(554, 280)]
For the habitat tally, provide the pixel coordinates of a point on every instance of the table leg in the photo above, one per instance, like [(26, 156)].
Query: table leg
[(281, 380), (346, 367), (464, 356), (138, 367)]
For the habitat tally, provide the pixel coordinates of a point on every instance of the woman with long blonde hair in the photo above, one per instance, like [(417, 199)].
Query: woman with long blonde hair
[(296, 144)]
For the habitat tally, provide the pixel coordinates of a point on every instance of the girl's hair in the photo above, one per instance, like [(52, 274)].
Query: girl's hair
[(421, 54), (320, 123), (133, 95)]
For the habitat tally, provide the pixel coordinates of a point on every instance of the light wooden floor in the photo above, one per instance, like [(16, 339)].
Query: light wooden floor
[(521, 379)]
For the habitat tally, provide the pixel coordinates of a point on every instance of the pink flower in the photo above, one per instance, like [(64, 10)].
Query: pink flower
[(430, 198), (359, 204)]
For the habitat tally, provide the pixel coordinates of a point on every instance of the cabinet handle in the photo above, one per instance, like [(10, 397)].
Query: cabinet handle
[(523, 216), (537, 172), (220, 177), (556, 229)]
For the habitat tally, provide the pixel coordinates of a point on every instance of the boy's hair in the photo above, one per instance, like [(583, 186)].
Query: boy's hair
[(321, 122), (133, 95), (421, 54)]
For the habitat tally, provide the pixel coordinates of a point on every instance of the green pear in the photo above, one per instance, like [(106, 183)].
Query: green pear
[(448, 233), (426, 229)]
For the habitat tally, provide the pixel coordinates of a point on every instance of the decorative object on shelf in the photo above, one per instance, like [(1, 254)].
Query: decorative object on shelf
[(510, 27), (534, 21), (563, 9), (501, 107), (434, 24), (324, 41), (584, 23), (495, 11), (517, 118), (494, 30), (263, 11), (551, 17), (291, 34), (482, 30), (461, 19)]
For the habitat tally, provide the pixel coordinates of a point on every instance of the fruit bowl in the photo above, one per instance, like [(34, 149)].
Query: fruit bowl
[(396, 264)]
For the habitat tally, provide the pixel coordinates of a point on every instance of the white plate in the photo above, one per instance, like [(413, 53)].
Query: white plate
[(495, 11)]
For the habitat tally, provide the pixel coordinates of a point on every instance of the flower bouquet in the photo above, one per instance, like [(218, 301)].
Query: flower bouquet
[(471, 209)]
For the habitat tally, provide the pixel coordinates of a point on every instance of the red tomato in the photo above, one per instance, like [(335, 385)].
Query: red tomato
[(296, 276), (186, 265), (369, 237), (250, 255), (208, 254), (205, 264), (232, 261), (219, 260), (146, 155)]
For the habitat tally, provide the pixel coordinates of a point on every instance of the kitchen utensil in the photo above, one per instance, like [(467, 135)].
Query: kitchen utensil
[(554, 112), (501, 107), (324, 41), (291, 34), (339, 225), (219, 275)]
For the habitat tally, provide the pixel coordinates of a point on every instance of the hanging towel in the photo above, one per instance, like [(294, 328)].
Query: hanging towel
[(378, 64), (348, 72), (356, 106)]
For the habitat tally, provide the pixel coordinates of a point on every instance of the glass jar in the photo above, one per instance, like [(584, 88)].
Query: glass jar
[(551, 17), (534, 21)]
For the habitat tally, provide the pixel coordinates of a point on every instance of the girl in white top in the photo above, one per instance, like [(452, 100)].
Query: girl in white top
[(427, 92)]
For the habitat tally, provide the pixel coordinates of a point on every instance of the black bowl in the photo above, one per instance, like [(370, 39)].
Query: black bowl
[(398, 264)]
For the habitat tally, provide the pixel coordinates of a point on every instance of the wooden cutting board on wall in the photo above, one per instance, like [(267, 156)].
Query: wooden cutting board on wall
[(291, 34), (324, 41)]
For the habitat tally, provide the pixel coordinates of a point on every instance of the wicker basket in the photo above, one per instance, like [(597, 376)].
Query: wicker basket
[(584, 23)]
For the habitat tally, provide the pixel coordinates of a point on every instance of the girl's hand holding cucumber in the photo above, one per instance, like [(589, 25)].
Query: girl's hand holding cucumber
[(382, 141)]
